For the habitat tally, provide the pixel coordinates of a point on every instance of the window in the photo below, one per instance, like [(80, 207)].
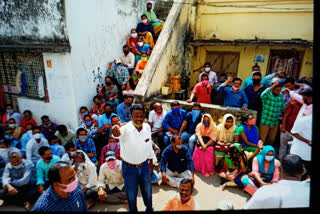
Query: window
[(224, 62)]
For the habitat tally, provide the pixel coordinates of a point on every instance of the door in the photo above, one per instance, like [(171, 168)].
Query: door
[(224, 62), (289, 61)]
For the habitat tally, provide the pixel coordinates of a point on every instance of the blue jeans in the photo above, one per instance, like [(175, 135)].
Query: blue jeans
[(166, 140), (133, 177), (189, 139)]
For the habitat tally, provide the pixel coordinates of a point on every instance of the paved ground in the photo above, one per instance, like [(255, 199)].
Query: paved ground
[(207, 192)]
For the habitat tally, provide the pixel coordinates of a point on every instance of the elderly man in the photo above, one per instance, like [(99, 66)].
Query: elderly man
[(64, 193), (184, 200), (176, 163), (18, 180)]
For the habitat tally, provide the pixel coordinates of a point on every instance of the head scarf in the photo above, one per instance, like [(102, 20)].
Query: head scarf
[(236, 156), (261, 162), (210, 131), (226, 135)]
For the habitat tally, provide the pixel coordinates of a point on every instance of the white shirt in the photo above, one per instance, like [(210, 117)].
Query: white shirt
[(66, 158), (136, 147), (212, 77), (303, 127), (157, 122), (284, 194), (32, 149), (87, 175), (128, 60)]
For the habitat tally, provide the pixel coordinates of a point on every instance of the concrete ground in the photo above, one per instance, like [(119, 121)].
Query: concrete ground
[(207, 192)]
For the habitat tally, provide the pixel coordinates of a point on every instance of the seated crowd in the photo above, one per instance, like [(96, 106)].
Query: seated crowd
[(184, 142)]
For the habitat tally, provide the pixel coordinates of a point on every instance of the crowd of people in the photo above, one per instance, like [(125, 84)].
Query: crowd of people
[(113, 151)]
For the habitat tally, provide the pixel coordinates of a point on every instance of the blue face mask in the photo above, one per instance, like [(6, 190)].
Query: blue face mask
[(89, 123), (206, 124), (222, 80), (176, 110), (195, 114), (8, 137)]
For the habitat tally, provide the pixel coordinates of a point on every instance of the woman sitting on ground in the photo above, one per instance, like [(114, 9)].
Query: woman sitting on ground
[(131, 83), (109, 92), (203, 155), (140, 48), (97, 107), (249, 133), (142, 63), (153, 19), (225, 137), (132, 41)]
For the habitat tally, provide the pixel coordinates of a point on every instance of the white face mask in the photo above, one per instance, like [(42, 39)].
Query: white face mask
[(134, 35), (269, 157), (207, 69), (140, 44), (37, 136)]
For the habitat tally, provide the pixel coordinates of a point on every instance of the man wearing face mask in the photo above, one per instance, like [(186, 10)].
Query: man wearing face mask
[(48, 128), (8, 135), (70, 148), (43, 166), (64, 193), (10, 113), (176, 163), (65, 135), (172, 122), (86, 144), (233, 96), (216, 96), (123, 109), (253, 92), (4, 155), (202, 90), (212, 76), (33, 146), (18, 180), (127, 59)]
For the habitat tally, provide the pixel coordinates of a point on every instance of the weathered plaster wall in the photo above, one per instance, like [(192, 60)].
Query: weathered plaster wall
[(32, 21)]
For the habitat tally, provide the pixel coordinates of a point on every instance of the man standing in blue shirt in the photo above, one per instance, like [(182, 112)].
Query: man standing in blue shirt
[(64, 193), (175, 162), (233, 96), (172, 121), (123, 109)]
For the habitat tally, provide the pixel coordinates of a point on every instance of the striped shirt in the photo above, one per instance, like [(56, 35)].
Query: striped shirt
[(88, 147), (271, 107)]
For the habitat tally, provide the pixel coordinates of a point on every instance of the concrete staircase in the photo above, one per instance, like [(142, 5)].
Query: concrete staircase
[(162, 8)]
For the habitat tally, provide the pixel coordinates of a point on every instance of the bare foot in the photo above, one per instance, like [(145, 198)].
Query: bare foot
[(27, 206), (223, 187)]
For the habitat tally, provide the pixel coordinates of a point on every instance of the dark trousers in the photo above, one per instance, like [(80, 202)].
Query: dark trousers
[(134, 177), (25, 193)]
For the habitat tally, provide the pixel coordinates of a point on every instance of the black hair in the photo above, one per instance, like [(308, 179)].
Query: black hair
[(27, 111), (43, 149), (244, 118), (87, 116), (107, 104), (223, 75), (256, 66), (292, 165), (174, 138), (143, 15), (69, 145), (96, 97), (256, 74), (133, 29), (54, 171), (149, 3), (52, 137), (136, 107), (204, 75), (12, 119), (175, 103), (62, 128), (36, 127), (5, 142), (9, 105), (83, 107), (125, 46), (44, 117), (196, 105), (187, 181), (81, 130), (289, 80), (237, 79), (7, 129), (128, 96), (207, 63), (115, 116)]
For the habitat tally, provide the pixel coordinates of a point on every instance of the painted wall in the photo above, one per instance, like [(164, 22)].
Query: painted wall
[(239, 19), (247, 53)]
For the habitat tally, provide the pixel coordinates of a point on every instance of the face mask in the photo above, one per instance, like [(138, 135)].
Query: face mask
[(144, 21), (207, 69), (112, 146), (37, 136), (205, 82), (108, 83), (269, 157), (72, 153), (305, 101), (98, 103), (128, 103), (49, 124), (126, 52), (256, 81), (27, 117), (144, 58), (176, 110), (136, 124), (149, 8), (83, 138), (134, 35), (134, 77), (10, 111), (235, 88), (8, 137), (206, 124), (140, 44), (252, 122), (85, 114), (48, 158), (89, 123), (179, 146), (72, 186), (222, 80), (195, 114), (108, 113)]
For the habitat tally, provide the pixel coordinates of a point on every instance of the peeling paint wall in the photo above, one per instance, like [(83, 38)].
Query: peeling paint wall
[(32, 21)]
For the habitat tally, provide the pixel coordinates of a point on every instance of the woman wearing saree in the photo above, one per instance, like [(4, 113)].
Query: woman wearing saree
[(203, 155), (153, 19)]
